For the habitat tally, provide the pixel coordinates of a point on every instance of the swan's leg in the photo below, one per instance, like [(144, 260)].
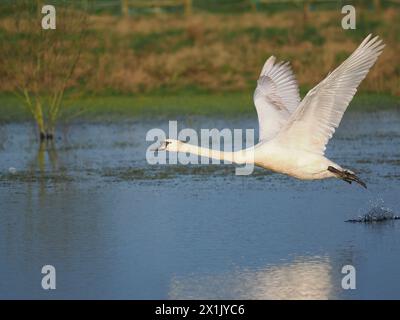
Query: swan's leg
[(347, 176)]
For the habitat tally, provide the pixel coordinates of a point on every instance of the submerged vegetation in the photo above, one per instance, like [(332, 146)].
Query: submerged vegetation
[(158, 172)]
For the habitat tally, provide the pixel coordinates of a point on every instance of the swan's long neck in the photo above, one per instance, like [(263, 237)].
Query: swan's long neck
[(238, 157)]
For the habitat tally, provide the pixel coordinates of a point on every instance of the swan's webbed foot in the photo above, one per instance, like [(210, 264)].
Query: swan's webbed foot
[(347, 176)]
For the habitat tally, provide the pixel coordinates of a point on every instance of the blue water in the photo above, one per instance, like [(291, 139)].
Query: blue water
[(165, 232)]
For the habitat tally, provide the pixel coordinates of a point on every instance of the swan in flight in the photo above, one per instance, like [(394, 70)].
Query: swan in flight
[(293, 134)]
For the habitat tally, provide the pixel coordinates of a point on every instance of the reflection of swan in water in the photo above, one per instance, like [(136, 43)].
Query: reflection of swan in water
[(309, 278)]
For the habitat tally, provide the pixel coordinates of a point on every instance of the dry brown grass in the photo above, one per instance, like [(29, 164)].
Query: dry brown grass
[(223, 52)]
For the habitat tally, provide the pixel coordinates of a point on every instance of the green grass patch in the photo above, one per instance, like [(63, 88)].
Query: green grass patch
[(365, 26), (277, 35), (118, 107), (158, 41), (312, 34)]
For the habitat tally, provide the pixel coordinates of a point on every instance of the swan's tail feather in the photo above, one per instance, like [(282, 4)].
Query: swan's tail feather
[(347, 176)]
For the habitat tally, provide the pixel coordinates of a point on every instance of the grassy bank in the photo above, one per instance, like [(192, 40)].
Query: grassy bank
[(213, 52), (109, 108), (168, 65)]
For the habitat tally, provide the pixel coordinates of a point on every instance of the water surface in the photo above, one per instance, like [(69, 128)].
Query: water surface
[(115, 227)]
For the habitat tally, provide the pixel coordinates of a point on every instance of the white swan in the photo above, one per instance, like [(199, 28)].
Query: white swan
[(294, 134)]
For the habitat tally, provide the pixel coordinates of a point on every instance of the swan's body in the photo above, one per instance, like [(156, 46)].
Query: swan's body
[(293, 162), (294, 134)]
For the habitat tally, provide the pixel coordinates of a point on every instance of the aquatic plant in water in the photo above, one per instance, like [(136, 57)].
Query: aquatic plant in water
[(39, 70)]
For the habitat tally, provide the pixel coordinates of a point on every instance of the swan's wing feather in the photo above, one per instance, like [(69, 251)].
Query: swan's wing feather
[(320, 112), (276, 97)]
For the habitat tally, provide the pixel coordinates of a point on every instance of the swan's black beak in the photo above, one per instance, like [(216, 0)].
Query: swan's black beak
[(163, 146)]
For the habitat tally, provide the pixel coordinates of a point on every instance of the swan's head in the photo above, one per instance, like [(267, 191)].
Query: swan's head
[(170, 145)]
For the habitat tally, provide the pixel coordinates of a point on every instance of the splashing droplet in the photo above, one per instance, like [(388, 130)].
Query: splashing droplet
[(376, 212)]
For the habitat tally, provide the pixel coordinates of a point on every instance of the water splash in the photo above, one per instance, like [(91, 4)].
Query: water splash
[(12, 170), (376, 212)]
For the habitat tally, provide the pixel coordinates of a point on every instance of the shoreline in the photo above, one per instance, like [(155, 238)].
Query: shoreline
[(185, 104)]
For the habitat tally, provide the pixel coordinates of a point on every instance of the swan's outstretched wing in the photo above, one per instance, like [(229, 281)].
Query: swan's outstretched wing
[(318, 115), (276, 97)]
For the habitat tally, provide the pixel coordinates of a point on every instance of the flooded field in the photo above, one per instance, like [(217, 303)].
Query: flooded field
[(114, 226)]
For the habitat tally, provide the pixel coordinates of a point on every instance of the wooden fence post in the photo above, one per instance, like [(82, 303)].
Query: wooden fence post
[(125, 8), (377, 5), (39, 4), (188, 7), (253, 5), (306, 10)]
